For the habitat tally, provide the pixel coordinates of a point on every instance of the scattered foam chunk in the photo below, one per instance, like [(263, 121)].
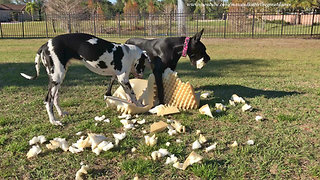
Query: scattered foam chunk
[(259, 118), (58, 143), (205, 109), (95, 139), (151, 141), (212, 147), (237, 99), (234, 144), (198, 132), (232, 103), (168, 144), (97, 118), (167, 110), (73, 149), (178, 165), (82, 171), (250, 142), (79, 133), (246, 107), (133, 149), (34, 151), (179, 127), (159, 154), (141, 121), (220, 107), (158, 126), (205, 95), (171, 159), (119, 137), (125, 116), (202, 139), (196, 145), (192, 158), (103, 146), (37, 139)]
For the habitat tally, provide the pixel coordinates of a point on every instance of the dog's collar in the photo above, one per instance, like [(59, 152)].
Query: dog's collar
[(185, 46)]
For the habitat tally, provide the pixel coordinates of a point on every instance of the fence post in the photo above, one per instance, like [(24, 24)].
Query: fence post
[(45, 14), (253, 17), (314, 11), (144, 25), (225, 24), (22, 24), (69, 23), (197, 23), (282, 22), (119, 25), (1, 30), (170, 24), (94, 23)]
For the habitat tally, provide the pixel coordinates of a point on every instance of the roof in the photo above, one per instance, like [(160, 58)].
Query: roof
[(12, 7)]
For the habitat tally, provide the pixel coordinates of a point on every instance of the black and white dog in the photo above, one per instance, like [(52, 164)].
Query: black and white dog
[(166, 52), (98, 55)]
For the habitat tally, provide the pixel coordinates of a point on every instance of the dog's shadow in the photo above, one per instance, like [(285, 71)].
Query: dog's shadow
[(77, 74), (225, 91)]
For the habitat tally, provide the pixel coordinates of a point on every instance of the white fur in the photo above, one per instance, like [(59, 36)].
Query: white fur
[(93, 41)]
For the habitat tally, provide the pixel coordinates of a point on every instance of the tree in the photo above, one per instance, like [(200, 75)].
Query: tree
[(65, 6), (170, 6), (31, 7), (131, 10), (119, 6)]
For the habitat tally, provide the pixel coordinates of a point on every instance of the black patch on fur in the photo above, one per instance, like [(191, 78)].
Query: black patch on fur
[(140, 66), (48, 59), (117, 57), (102, 65)]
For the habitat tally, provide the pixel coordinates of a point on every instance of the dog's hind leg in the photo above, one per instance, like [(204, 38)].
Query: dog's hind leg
[(108, 92), (56, 101), (49, 102)]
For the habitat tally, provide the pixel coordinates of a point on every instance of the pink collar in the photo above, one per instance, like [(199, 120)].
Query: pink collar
[(185, 47)]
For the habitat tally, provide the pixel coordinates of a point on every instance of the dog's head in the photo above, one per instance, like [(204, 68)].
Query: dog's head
[(140, 65), (197, 51)]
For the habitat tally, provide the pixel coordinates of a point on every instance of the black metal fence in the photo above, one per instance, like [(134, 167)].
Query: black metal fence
[(226, 25)]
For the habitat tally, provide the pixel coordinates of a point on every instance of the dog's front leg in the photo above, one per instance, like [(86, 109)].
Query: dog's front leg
[(158, 71), (124, 82)]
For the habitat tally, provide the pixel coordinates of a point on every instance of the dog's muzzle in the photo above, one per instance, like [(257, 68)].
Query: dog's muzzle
[(139, 76)]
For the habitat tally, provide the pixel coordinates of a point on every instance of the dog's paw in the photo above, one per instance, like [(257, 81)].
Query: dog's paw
[(63, 114), (56, 122)]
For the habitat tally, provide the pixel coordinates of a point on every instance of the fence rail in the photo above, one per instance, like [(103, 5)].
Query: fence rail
[(226, 25)]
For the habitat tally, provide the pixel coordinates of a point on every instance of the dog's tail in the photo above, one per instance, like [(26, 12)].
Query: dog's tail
[(37, 66)]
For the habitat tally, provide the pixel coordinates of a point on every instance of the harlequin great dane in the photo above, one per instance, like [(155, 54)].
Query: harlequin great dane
[(98, 55), (166, 52)]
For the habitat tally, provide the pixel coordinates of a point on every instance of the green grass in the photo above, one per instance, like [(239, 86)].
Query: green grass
[(278, 77)]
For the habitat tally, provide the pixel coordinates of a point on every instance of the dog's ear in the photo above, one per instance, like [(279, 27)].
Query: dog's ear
[(197, 36)]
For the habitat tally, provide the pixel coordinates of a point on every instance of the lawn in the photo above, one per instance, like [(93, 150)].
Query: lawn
[(278, 77)]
